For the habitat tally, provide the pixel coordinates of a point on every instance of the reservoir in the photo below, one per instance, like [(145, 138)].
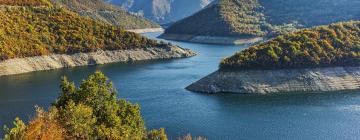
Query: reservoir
[(159, 87)]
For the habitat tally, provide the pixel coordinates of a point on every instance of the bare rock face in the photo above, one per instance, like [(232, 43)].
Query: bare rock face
[(55, 61), (146, 30), (280, 81), (211, 39)]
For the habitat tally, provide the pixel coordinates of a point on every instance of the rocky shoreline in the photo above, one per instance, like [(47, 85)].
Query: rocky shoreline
[(210, 39), (146, 30), (55, 61), (280, 81)]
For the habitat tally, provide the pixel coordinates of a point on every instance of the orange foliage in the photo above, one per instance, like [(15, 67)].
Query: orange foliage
[(25, 2), (44, 127)]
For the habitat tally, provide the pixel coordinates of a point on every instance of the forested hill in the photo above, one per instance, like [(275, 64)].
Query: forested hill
[(249, 18), (324, 46), (34, 30), (25, 2), (100, 10)]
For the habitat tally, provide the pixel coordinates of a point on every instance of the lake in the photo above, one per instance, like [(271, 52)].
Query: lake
[(159, 87)]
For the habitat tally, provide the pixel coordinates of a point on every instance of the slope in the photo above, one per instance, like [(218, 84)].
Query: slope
[(324, 46), (100, 10), (42, 30), (162, 11), (254, 18)]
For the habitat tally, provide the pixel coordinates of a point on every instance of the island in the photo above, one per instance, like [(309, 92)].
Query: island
[(250, 21), (319, 59), (37, 35)]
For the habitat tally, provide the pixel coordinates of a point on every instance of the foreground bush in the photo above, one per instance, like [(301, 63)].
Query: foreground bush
[(90, 111), (189, 137)]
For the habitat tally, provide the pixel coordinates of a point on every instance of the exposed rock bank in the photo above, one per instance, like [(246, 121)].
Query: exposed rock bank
[(280, 81), (210, 39), (38, 63), (146, 30)]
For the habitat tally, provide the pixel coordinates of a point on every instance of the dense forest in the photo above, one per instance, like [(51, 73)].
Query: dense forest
[(100, 10), (34, 31), (333, 45), (25, 2), (90, 111), (269, 18), (222, 19)]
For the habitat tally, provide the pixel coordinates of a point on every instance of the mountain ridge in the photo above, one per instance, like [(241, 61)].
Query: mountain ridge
[(259, 18), (162, 11), (105, 12)]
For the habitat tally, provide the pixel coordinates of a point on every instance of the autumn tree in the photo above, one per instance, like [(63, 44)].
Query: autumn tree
[(90, 111)]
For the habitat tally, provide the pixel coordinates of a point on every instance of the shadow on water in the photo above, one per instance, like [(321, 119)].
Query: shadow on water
[(281, 116)]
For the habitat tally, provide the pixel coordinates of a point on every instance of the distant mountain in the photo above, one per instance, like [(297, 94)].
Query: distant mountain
[(162, 11), (258, 18), (100, 10)]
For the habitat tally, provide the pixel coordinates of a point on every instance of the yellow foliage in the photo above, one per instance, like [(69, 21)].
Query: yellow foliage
[(34, 31)]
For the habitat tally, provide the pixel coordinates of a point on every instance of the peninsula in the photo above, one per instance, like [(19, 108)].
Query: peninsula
[(36, 35), (324, 58)]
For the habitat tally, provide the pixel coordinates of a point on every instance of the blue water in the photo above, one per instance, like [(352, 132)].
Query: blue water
[(158, 86)]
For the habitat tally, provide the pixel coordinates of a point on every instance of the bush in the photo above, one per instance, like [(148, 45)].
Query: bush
[(189, 137), (43, 127)]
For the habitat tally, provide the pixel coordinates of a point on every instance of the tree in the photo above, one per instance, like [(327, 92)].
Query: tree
[(43, 127), (90, 111), (17, 132)]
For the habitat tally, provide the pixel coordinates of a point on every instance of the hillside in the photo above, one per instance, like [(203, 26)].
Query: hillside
[(100, 10), (162, 11), (250, 18), (314, 60), (26, 2), (34, 31), (324, 46)]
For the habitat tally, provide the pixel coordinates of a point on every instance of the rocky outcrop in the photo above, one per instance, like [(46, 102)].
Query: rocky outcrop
[(211, 39), (146, 30), (280, 81), (38, 63)]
